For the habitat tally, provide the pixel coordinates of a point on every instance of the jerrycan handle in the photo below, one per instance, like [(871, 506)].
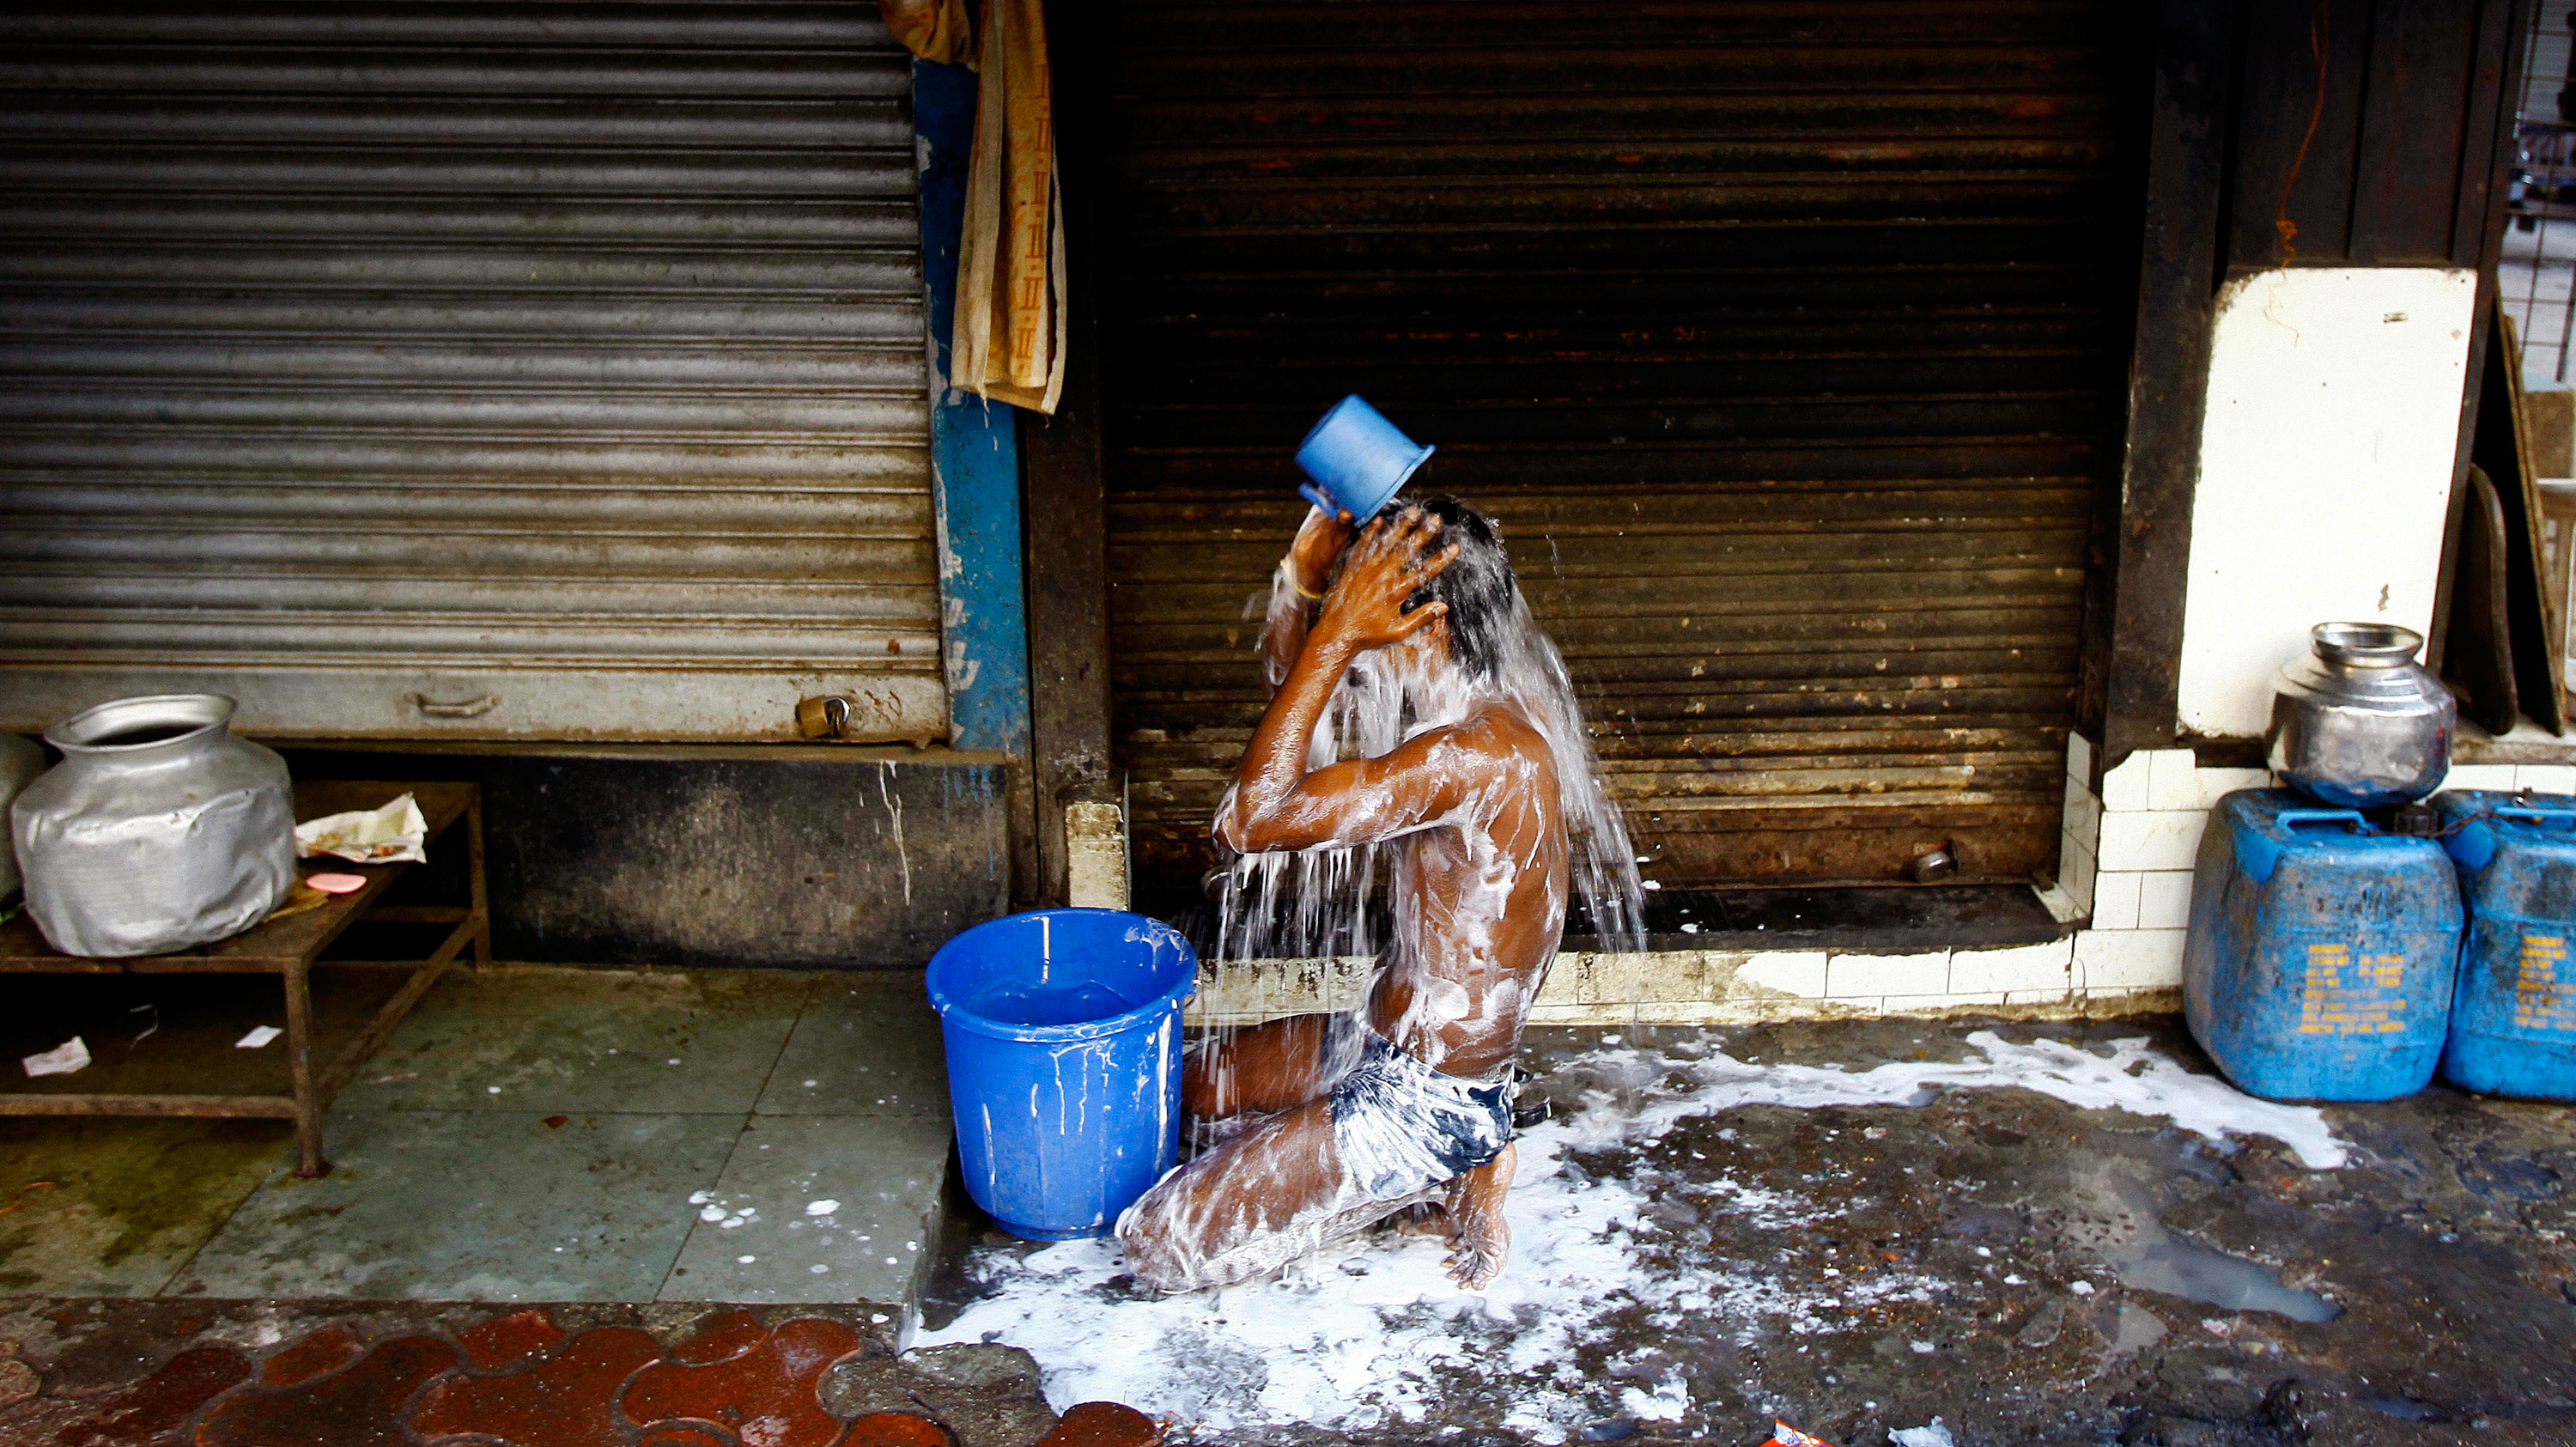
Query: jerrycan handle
[(2288, 817), (2258, 854), (2561, 815)]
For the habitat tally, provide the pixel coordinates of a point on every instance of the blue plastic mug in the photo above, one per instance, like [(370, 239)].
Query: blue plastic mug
[(1357, 460)]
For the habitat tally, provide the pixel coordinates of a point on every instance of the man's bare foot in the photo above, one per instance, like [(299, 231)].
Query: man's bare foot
[(1479, 1238)]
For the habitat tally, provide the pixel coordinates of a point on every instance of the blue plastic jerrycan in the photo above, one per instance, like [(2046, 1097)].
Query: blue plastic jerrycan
[(2513, 1023), (2322, 952)]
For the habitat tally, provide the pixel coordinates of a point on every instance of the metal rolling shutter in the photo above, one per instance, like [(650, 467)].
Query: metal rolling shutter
[(1784, 340), (535, 370)]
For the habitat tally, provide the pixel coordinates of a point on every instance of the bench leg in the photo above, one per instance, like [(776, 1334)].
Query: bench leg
[(474, 884), (299, 1053)]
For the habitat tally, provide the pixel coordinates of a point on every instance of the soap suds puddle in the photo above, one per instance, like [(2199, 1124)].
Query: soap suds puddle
[(1372, 1333)]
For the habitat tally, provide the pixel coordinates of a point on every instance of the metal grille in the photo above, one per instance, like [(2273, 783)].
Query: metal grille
[(2539, 258), (1783, 340), (489, 370)]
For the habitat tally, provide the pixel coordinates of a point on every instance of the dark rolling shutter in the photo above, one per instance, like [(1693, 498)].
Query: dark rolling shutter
[(1783, 340), (537, 370)]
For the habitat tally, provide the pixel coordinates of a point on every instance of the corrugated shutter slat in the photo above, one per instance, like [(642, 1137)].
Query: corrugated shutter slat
[(560, 364), (1782, 338)]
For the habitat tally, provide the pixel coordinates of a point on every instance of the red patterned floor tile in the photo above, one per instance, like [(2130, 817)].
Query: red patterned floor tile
[(561, 1403), (686, 1434), (894, 1429), (765, 1395), (359, 1407), (327, 1350), (1104, 1424), (723, 1335), (161, 1403), (513, 1340)]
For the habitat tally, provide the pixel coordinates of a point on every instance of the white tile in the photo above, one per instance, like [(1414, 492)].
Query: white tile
[(2164, 839), (2124, 789), (1800, 973), (2021, 967), (2060, 905), (2175, 784), (1564, 982), (2082, 815), (2546, 778), (2079, 758), (2075, 873), (1630, 977), (2115, 899), (2217, 784), (1934, 1004), (2173, 780), (1847, 975), (2164, 899), (2128, 959), (2480, 776), (2058, 996)]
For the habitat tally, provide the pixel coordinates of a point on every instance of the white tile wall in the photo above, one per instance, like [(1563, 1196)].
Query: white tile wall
[(1849, 975), (2546, 778), (1799, 973), (2164, 899), (2128, 959), (2124, 789), (2115, 899), (2025, 969), (2082, 818), (2151, 838), (2480, 776)]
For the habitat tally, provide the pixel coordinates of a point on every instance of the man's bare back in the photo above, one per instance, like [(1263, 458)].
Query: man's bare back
[(1358, 1118)]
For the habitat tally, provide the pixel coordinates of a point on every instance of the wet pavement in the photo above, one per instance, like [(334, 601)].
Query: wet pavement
[(2015, 1266), (1712, 1231)]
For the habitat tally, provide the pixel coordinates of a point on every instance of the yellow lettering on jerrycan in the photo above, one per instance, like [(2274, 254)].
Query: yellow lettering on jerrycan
[(2345, 995), (2542, 998)]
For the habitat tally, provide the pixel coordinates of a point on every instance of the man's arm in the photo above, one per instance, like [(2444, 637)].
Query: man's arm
[(1275, 803)]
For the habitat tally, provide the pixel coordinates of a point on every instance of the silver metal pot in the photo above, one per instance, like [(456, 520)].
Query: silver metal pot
[(20, 761), (159, 830), (2360, 723)]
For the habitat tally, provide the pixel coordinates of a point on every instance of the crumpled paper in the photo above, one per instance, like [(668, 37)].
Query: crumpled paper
[(388, 835), (63, 1059)]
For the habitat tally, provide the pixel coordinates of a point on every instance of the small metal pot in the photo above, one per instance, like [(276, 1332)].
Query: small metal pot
[(2360, 723), (20, 761), (159, 830)]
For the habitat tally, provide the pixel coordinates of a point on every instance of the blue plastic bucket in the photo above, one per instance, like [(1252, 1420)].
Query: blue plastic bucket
[(1063, 1029), (1357, 460)]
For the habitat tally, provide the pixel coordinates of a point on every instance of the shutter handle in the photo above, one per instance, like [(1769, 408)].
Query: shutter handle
[(463, 708)]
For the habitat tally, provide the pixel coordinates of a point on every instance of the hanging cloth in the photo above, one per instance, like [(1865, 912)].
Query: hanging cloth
[(1010, 322), (932, 29)]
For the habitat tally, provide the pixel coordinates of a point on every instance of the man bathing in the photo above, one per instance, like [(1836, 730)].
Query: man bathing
[(1491, 811)]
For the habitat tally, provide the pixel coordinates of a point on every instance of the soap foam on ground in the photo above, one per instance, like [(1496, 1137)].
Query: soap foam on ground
[(1371, 1331)]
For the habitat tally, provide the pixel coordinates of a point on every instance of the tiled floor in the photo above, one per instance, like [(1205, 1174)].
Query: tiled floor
[(344, 1374), (528, 1135)]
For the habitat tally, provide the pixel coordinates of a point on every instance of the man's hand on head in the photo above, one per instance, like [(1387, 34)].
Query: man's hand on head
[(1391, 560), (1320, 540)]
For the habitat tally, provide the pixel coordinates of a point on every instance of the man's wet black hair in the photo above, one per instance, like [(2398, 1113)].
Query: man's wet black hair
[(1477, 585)]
